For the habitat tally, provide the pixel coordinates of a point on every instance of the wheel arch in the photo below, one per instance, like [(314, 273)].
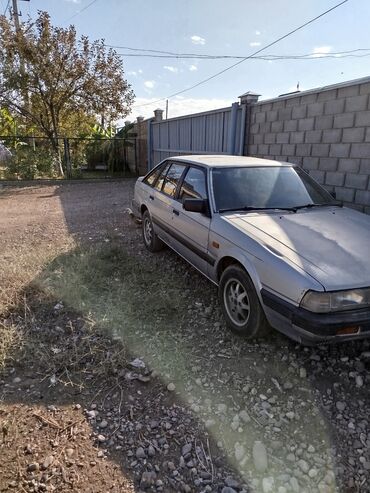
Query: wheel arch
[(244, 263), (143, 208)]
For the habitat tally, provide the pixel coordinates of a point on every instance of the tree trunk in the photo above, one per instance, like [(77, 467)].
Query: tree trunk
[(57, 160), (55, 142)]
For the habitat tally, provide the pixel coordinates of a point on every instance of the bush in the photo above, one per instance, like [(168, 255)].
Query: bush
[(28, 162)]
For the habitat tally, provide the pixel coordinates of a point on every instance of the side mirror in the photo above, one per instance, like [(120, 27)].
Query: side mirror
[(196, 205)]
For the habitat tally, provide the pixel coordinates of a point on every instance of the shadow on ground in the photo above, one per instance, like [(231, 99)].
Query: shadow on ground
[(307, 406)]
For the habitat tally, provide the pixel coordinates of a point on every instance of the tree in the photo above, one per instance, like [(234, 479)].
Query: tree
[(47, 74)]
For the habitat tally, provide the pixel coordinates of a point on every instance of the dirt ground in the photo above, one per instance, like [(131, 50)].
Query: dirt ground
[(117, 373)]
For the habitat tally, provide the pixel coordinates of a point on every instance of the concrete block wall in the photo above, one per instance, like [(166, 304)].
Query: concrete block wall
[(326, 131)]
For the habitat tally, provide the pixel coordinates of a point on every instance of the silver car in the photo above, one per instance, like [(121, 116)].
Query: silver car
[(282, 251)]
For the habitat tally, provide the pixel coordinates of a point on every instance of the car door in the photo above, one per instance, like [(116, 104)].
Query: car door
[(163, 198), (191, 228)]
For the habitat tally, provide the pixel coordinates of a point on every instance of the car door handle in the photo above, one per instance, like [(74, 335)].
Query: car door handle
[(151, 197), (177, 213)]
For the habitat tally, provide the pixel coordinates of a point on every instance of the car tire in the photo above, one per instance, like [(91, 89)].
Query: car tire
[(240, 304), (151, 240)]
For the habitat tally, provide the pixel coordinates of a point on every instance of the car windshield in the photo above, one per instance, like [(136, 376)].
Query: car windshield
[(266, 187)]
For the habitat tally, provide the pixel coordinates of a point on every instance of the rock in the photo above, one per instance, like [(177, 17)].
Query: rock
[(303, 372), (294, 484), (222, 408), (171, 387), (359, 381), (147, 479), (47, 462), (340, 406), (290, 415), (231, 482), (239, 451), (268, 485), (137, 363), (101, 438), (140, 453), (303, 465), (103, 424), (313, 473), (100, 454), (69, 452), (17, 380), (259, 454), (92, 414), (33, 467), (227, 489), (151, 451), (186, 449), (244, 416)]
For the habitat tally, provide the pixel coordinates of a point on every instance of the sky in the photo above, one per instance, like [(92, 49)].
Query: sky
[(219, 27)]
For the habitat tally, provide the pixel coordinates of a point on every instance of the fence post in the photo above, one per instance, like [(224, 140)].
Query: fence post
[(246, 100), (232, 132), (67, 157), (150, 144)]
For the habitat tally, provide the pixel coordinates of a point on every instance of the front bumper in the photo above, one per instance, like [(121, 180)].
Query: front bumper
[(310, 328)]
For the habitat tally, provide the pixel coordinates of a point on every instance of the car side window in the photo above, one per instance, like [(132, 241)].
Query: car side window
[(151, 178), (159, 183), (194, 185), (172, 179)]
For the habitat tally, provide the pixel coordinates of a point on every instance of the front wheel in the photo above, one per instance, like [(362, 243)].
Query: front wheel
[(151, 240), (240, 304)]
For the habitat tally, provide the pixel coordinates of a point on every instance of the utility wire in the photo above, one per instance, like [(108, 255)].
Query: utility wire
[(80, 11), (6, 8), (203, 55), (307, 56), (246, 58)]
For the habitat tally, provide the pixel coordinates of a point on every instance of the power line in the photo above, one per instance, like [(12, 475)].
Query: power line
[(247, 57), (80, 11), (6, 8), (203, 55), (307, 56)]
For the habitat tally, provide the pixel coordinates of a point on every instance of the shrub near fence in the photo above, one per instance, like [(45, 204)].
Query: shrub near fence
[(28, 158)]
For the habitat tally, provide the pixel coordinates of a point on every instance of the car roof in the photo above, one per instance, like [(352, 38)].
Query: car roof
[(224, 160)]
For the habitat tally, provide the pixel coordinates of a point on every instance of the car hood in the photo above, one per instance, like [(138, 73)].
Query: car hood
[(331, 244)]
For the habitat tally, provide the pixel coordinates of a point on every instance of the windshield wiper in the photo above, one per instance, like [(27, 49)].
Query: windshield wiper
[(325, 204), (251, 208)]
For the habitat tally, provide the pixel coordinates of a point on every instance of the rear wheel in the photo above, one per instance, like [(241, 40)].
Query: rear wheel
[(240, 304), (151, 240)]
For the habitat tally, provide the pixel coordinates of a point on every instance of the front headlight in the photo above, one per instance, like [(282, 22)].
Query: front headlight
[(337, 301)]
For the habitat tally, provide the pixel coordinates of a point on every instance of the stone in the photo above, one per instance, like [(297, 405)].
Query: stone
[(151, 451), (227, 489), (231, 482), (69, 452), (239, 452), (359, 381), (303, 465), (140, 453), (259, 454), (186, 449), (171, 387), (340, 406), (268, 485), (33, 467), (47, 462), (101, 438), (17, 380), (147, 479), (103, 424)]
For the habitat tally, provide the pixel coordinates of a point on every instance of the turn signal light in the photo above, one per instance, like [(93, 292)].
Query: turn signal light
[(348, 330)]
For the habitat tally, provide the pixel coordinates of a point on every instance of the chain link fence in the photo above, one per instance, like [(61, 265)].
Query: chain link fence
[(31, 158)]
